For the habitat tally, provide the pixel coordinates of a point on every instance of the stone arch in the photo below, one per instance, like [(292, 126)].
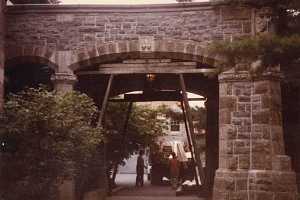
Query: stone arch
[(16, 55), (21, 59), (143, 48)]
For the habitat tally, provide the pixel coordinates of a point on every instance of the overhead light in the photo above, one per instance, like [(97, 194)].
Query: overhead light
[(150, 77)]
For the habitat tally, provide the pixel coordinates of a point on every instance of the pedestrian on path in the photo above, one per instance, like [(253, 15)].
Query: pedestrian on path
[(174, 171), (140, 166)]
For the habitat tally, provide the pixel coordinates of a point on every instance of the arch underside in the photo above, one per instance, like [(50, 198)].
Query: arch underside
[(95, 86)]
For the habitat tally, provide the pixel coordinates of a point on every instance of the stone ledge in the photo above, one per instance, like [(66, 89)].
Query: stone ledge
[(150, 8), (64, 78)]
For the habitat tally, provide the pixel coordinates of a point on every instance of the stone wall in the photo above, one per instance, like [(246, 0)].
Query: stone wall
[(252, 160), (2, 57), (80, 27)]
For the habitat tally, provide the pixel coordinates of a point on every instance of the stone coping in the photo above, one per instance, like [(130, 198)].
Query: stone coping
[(147, 8)]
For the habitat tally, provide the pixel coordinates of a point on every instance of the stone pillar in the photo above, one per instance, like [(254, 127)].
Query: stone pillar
[(2, 50), (252, 160), (63, 82)]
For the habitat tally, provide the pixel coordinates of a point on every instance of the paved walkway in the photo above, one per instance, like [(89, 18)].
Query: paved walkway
[(148, 192)]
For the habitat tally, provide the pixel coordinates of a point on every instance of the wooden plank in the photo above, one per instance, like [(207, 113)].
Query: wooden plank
[(141, 99), (149, 71), (105, 100), (150, 65), (188, 134), (200, 170), (152, 99), (124, 132), (154, 96)]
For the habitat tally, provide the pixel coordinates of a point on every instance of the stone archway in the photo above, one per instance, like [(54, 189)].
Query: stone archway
[(190, 57), (28, 70), (252, 161)]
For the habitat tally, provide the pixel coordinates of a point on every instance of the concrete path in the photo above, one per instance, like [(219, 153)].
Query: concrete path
[(148, 192)]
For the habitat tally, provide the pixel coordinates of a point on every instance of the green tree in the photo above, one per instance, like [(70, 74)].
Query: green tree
[(45, 138), (143, 128), (285, 13)]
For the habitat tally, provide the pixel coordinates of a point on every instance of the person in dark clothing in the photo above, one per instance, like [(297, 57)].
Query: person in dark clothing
[(140, 166)]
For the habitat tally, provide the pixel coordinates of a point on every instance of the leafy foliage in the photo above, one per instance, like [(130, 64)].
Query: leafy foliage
[(142, 130), (286, 13), (272, 50), (198, 115), (45, 138)]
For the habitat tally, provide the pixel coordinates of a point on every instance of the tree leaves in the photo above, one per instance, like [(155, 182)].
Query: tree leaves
[(272, 50), (54, 138)]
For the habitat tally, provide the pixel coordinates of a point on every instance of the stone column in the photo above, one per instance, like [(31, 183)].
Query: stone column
[(64, 78), (63, 81), (2, 50), (252, 160)]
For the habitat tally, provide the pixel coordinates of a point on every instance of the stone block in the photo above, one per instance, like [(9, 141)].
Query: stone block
[(284, 196), (261, 161), (261, 87), (224, 117), (262, 117), (243, 161), (281, 163), (225, 184), (238, 195), (241, 184), (263, 195), (229, 103)]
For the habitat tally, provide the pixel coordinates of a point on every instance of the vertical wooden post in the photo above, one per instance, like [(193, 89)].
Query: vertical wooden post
[(105, 100), (191, 128), (126, 121), (189, 141), (124, 133)]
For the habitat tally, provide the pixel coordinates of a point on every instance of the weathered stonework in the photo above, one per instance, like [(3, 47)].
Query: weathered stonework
[(91, 32), (63, 82), (252, 160)]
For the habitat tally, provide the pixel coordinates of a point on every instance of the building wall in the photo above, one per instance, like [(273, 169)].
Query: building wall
[(80, 27)]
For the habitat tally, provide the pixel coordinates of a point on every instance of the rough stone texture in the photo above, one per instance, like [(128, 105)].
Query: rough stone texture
[(253, 164), (88, 33), (252, 161), (2, 57)]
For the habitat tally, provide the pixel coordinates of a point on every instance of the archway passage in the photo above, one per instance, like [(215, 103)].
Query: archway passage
[(27, 75), (134, 75)]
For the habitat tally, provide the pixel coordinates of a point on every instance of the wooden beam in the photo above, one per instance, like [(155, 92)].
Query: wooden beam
[(155, 96), (147, 65), (188, 134), (124, 132), (200, 171), (105, 100), (181, 70), (138, 99)]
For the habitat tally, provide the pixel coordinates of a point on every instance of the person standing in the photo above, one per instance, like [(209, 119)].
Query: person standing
[(174, 171), (140, 166)]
